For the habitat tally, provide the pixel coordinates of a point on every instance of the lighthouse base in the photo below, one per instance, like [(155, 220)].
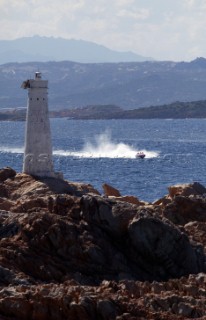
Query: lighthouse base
[(56, 175)]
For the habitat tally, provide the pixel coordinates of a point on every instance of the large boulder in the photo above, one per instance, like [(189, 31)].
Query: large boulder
[(182, 210), (7, 173), (186, 190), (23, 187), (110, 215), (144, 239), (168, 250)]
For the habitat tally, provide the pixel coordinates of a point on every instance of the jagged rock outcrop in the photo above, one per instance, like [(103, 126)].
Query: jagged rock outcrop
[(175, 299), (113, 193), (182, 209), (186, 190), (110, 191), (66, 252)]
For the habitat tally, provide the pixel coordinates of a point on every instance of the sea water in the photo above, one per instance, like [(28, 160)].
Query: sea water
[(103, 151)]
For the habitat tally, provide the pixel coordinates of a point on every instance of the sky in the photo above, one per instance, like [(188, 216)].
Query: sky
[(161, 29)]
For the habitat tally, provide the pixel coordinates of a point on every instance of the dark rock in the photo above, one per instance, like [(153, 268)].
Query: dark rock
[(149, 241), (106, 309), (3, 191), (9, 230), (109, 215), (7, 173), (164, 247), (183, 209)]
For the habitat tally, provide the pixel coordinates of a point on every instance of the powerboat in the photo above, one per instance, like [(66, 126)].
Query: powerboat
[(140, 155)]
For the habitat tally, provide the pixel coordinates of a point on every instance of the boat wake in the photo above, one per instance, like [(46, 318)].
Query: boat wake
[(103, 147), (11, 150)]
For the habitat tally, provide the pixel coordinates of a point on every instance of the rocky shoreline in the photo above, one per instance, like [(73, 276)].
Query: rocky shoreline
[(68, 252)]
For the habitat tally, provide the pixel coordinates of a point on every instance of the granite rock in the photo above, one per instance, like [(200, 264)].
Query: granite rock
[(66, 252)]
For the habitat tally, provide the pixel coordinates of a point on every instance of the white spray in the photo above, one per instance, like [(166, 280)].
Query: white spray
[(103, 147)]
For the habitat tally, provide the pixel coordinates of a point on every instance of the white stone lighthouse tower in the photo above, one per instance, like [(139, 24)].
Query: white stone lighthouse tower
[(38, 146)]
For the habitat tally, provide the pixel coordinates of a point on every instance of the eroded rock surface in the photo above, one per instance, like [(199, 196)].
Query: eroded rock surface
[(66, 252)]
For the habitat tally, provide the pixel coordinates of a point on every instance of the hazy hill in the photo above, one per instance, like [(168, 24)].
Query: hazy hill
[(177, 110), (128, 85), (57, 49)]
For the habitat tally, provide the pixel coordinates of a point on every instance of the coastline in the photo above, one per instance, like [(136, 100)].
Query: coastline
[(176, 110)]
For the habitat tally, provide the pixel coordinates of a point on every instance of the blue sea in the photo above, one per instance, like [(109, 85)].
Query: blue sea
[(103, 151)]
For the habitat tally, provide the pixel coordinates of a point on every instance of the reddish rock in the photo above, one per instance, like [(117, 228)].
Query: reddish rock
[(129, 199), (68, 253), (162, 201), (5, 204), (197, 231), (110, 191), (186, 190)]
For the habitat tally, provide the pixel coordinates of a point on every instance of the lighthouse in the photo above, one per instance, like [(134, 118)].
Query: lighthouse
[(38, 146)]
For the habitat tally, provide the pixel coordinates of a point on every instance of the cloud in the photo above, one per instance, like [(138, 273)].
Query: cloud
[(162, 29), (140, 14)]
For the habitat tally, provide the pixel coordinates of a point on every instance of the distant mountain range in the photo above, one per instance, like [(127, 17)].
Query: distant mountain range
[(128, 85), (44, 49)]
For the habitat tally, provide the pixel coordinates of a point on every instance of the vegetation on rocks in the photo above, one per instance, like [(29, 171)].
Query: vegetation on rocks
[(176, 110)]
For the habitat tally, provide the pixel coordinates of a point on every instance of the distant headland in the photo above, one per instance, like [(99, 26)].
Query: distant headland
[(176, 110)]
